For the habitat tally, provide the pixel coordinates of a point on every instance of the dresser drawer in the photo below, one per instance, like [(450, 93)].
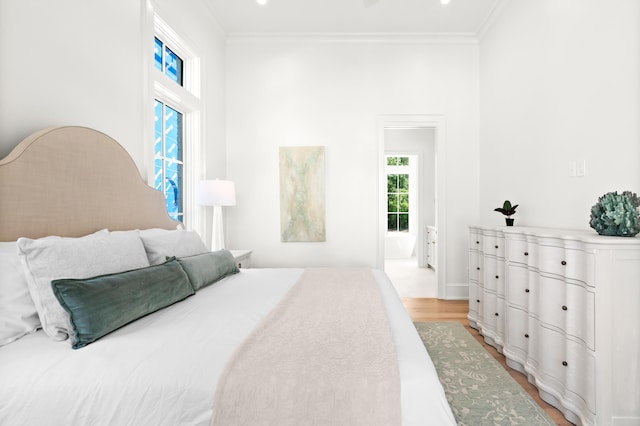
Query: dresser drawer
[(570, 263), (521, 251), (475, 266), (474, 301), (569, 307), (493, 316), (494, 278), (567, 367), (518, 288), (493, 245), (475, 240), (517, 334)]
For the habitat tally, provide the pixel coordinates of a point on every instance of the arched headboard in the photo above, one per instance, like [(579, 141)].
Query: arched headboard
[(71, 181)]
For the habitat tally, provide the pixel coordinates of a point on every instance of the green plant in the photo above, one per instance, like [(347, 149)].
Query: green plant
[(507, 209), (616, 214)]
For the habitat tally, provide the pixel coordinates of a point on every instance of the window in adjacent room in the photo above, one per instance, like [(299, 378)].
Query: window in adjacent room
[(176, 132), (398, 173)]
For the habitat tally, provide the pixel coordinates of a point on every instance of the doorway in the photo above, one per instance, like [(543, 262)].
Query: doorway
[(421, 137)]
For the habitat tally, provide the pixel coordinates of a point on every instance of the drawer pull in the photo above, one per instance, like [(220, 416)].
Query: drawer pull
[(526, 253), (478, 268), (565, 363), (477, 242), (497, 314), (526, 290), (564, 308), (497, 277), (478, 300), (496, 246), (526, 335), (563, 263)]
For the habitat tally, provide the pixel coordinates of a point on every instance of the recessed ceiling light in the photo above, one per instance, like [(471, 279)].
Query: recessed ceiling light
[(444, 1), (262, 2)]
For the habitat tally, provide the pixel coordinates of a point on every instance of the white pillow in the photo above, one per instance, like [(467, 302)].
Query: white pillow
[(162, 243), (18, 315), (51, 258)]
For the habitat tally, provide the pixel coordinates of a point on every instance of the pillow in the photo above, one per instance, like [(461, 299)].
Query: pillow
[(207, 268), (97, 306), (50, 258), (161, 244), (18, 315)]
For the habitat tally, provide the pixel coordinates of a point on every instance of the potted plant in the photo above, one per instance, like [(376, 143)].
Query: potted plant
[(507, 209)]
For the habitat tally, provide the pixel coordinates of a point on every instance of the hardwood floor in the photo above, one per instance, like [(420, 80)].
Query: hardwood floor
[(425, 310)]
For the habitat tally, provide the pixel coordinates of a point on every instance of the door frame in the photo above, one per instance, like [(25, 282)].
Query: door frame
[(416, 121)]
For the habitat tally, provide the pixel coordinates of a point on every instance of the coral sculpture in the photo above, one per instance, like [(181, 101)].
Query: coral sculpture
[(616, 214)]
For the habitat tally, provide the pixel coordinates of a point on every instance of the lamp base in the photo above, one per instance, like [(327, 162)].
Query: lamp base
[(217, 230)]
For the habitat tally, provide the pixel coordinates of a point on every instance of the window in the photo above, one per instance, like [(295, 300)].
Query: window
[(175, 77), (167, 62), (398, 194), (168, 162)]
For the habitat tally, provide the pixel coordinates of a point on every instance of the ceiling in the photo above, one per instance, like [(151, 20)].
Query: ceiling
[(466, 17)]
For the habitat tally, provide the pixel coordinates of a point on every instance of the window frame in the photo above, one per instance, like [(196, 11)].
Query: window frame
[(184, 99)]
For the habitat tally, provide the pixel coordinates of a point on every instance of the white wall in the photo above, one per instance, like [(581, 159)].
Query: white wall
[(283, 93), (74, 62), (559, 81)]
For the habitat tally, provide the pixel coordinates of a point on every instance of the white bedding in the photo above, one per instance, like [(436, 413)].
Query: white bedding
[(162, 369)]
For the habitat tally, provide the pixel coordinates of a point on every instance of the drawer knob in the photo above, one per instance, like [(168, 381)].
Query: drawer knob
[(478, 300), (564, 262), (496, 246), (478, 268), (564, 308), (526, 290), (526, 253), (526, 335), (477, 242), (565, 363), (497, 277), (497, 314)]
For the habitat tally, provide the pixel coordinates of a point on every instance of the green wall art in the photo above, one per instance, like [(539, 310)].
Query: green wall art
[(302, 200)]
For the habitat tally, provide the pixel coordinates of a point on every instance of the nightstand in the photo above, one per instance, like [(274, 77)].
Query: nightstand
[(242, 258)]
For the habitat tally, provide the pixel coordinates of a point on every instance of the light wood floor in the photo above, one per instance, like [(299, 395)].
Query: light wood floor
[(424, 310)]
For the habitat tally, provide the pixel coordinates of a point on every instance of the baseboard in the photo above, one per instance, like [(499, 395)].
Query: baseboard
[(457, 291)]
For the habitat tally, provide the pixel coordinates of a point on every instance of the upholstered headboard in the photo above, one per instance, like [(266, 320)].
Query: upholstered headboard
[(71, 181)]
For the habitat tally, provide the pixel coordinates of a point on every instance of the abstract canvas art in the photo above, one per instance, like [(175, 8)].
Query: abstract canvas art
[(302, 208)]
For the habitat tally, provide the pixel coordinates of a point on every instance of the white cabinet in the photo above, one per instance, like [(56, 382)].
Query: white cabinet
[(570, 315), (431, 249)]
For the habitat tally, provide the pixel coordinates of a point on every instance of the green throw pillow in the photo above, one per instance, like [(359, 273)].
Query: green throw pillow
[(207, 268), (100, 305)]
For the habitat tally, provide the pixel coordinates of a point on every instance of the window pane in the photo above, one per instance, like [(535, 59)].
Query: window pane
[(404, 222), (173, 66), (172, 134), (157, 179), (173, 187), (403, 183), (392, 222), (392, 203), (392, 161), (157, 54), (403, 161), (403, 200), (392, 183)]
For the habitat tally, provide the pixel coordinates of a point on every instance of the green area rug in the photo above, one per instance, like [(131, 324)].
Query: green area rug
[(479, 390)]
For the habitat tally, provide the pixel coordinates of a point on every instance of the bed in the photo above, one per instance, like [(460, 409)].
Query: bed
[(74, 215)]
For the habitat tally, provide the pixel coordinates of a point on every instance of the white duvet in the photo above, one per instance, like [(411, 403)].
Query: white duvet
[(163, 368)]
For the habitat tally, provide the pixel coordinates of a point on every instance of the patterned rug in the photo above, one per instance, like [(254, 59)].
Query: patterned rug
[(479, 390)]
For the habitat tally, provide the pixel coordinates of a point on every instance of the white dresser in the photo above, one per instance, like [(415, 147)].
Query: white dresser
[(564, 308)]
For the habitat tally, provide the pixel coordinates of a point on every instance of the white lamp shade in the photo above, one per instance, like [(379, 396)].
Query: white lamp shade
[(216, 193)]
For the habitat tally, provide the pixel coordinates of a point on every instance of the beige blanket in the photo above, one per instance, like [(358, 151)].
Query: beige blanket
[(323, 356)]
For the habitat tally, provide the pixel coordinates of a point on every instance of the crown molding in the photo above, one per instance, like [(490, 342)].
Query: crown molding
[(491, 18), (364, 38)]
